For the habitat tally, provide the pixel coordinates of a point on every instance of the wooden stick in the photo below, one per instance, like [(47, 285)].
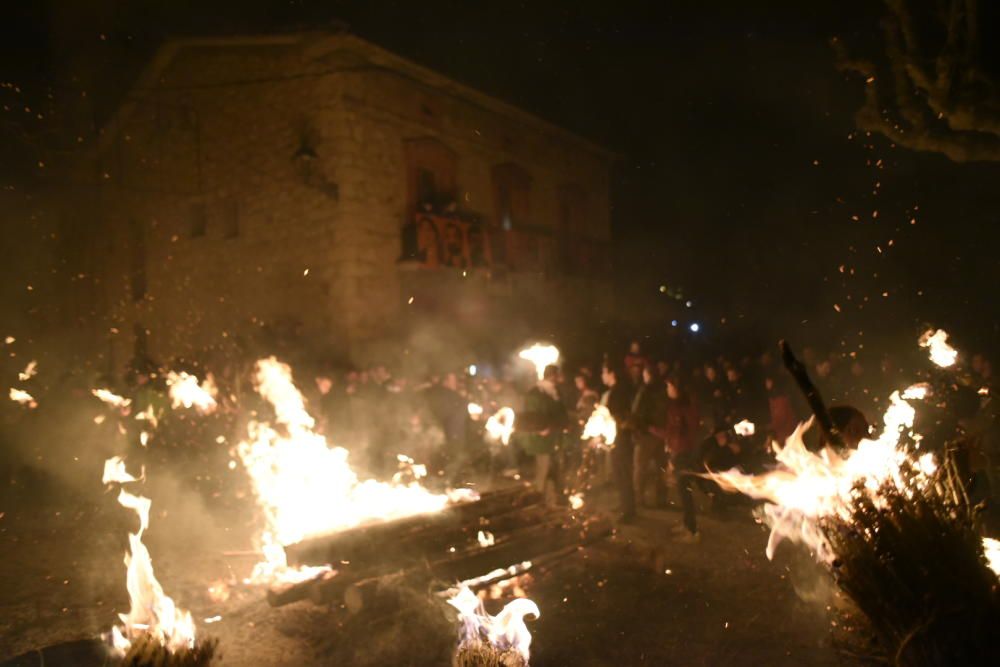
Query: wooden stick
[(813, 397)]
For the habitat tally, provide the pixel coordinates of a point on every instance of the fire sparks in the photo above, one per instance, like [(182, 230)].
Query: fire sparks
[(576, 501), (942, 354), (485, 539), (305, 487), (186, 392), (505, 632), (500, 425), (23, 397), (600, 425), (541, 356), (745, 428), (152, 613), (111, 398), (29, 371), (475, 410)]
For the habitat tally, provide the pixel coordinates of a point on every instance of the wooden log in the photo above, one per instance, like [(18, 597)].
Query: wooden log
[(368, 542), (528, 545)]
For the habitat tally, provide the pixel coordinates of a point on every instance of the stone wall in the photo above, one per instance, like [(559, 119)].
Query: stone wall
[(269, 185)]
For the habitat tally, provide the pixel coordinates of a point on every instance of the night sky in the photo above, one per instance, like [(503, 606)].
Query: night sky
[(740, 172)]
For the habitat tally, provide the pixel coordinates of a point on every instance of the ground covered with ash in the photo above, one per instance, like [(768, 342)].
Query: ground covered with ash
[(640, 597)]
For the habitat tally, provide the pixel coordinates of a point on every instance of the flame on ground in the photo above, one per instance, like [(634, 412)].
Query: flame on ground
[(23, 397), (600, 425), (29, 371), (151, 611), (305, 487), (500, 425), (941, 352), (111, 398), (186, 392), (505, 632), (541, 356)]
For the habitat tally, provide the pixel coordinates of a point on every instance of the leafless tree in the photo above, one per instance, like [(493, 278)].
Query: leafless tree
[(932, 89)]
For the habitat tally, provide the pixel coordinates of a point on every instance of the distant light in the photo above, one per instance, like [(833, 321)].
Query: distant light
[(689, 303), (695, 327), (472, 369), (673, 323), (663, 289)]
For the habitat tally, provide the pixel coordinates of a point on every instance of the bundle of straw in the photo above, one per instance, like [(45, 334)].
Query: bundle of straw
[(147, 651), (913, 562), (484, 654)]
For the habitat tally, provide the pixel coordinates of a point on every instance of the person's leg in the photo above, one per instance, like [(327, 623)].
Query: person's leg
[(685, 482), (639, 471), (622, 459), (659, 456), (542, 463)]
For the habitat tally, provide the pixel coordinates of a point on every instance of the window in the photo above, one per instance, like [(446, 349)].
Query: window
[(137, 259), (430, 174), (511, 186), (230, 219), (572, 225), (199, 220)]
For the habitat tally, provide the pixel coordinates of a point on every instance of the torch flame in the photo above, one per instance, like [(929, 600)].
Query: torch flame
[(151, 611), (601, 425), (305, 487), (186, 392), (500, 425), (744, 428), (541, 356), (506, 631), (941, 352)]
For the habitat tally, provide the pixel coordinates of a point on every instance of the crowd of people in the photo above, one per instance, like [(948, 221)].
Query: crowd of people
[(675, 418)]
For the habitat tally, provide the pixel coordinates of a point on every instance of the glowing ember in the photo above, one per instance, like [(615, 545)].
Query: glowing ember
[(29, 371), (23, 397), (576, 501), (475, 410), (745, 428), (541, 356), (500, 426), (111, 398), (186, 392), (600, 427), (305, 487), (485, 538), (504, 632), (941, 352), (151, 611)]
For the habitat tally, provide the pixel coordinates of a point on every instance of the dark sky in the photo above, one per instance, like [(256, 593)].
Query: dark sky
[(738, 180)]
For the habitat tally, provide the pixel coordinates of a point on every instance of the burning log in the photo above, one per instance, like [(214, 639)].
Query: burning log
[(813, 398), (483, 654)]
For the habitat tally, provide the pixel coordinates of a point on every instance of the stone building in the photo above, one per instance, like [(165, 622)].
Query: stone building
[(314, 194)]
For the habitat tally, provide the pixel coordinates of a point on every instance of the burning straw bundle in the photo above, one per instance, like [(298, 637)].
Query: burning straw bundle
[(484, 654), (147, 651), (910, 558)]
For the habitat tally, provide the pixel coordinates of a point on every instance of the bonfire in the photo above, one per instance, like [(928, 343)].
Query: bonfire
[(893, 523)]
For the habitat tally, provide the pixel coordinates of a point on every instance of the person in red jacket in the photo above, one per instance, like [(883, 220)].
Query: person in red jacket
[(681, 435)]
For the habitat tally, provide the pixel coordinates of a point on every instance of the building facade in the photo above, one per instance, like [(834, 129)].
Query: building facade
[(315, 194)]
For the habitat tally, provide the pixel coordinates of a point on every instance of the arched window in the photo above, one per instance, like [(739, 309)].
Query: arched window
[(430, 168)]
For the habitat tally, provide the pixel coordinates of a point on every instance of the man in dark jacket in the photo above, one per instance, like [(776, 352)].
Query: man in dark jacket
[(648, 413)]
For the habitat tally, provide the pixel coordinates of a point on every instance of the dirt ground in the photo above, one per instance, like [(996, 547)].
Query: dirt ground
[(638, 598)]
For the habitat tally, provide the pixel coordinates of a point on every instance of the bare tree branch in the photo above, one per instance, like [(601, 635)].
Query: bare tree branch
[(928, 91)]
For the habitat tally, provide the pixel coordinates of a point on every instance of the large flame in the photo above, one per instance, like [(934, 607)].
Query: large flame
[(541, 356), (941, 352), (186, 392), (305, 487), (600, 427), (151, 611), (500, 425), (506, 631)]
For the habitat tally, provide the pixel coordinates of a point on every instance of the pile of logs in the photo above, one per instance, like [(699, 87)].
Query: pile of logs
[(521, 533)]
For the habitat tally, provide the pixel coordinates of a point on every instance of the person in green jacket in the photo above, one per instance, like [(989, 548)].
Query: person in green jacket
[(540, 426)]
